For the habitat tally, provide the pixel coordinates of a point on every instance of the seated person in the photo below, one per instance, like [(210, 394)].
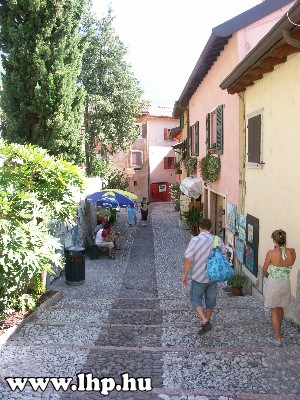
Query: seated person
[(103, 239), (113, 233)]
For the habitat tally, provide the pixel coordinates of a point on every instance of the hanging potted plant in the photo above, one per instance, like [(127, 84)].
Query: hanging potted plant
[(177, 168), (191, 165), (210, 167)]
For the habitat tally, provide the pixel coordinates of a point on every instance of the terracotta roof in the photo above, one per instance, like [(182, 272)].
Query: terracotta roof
[(282, 40), (216, 43)]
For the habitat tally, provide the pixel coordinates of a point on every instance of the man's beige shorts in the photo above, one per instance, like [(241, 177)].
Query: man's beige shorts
[(109, 245)]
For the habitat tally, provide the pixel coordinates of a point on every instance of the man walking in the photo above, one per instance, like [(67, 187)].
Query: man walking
[(197, 254)]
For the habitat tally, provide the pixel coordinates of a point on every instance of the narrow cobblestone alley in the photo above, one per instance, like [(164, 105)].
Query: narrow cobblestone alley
[(132, 315)]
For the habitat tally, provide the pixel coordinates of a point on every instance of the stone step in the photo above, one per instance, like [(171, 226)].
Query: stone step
[(244, 371), (233, 335)]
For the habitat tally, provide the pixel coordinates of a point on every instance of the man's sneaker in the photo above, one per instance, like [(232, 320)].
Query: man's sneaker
[(205, 328)]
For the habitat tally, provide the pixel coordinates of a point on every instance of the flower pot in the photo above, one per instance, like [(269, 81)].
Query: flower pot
[(237, 291)]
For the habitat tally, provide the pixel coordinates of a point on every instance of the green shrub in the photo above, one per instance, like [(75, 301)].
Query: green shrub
[(34, 189)]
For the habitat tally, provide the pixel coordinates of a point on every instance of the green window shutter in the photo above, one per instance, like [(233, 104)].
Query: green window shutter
[(190, 148), (182, 121), (208, 131), (219, 143), (197, 138)]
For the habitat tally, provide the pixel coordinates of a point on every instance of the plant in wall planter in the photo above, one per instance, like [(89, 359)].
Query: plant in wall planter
[(210, 166), (191, 165)]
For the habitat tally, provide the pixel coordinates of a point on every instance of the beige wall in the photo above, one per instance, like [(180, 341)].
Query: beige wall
[(273, 191)]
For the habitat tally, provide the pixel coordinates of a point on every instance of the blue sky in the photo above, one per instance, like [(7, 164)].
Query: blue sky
[(166, 37)]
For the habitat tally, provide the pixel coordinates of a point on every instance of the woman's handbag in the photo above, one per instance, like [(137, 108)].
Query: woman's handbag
[(218, 268)]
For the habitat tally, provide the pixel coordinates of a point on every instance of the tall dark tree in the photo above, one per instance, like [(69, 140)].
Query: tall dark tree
[(41, 57), (113, 97)]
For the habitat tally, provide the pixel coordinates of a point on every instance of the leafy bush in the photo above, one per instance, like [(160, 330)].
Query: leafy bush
[(34, 188), (210, 167), (191, 165)]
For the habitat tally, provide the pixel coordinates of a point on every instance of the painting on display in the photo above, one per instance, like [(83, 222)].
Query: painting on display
[(252, 239), (250, 263), (241, 226), (230, 237), (240, 250), (231, 216)]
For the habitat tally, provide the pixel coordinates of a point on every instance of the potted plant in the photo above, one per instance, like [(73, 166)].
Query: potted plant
[(191, 165), (192, 218), (177, 168), (175, 195), (210, 167), (236, 283)]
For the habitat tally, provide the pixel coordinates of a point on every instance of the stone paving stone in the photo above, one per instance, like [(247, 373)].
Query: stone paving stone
[(250, 372), (73, 316), (24, 361), (130, 336), (56, 334)]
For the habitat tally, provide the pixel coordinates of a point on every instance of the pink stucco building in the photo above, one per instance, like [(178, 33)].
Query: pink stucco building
[(215, 112)]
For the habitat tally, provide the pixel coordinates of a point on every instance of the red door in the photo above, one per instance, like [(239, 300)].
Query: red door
[(159, 192)]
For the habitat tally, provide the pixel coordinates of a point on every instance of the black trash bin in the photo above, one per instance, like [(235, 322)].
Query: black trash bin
[(75, 265)]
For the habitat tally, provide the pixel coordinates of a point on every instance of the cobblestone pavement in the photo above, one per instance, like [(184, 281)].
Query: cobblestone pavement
[(132, 315)]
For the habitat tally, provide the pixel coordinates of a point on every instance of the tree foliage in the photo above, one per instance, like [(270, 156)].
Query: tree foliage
[(34, 188), (113, 97), (41, 56), (115, 178)]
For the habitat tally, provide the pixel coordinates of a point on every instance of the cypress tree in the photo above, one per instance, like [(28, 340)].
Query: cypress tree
[(41, 57)]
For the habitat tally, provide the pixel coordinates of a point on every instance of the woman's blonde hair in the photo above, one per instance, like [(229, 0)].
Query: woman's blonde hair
[(279, 236)]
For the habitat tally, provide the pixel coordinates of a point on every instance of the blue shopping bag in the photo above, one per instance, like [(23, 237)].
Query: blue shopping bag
[(218, 268)]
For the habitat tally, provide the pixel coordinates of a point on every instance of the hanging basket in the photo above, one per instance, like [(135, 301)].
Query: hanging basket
[(210, 166)]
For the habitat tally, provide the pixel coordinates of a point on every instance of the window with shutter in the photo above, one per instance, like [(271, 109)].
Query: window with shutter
[(169, 162), (166, 134), (254, 139), (196, 153), (144, 131), (208, 131), (214, 130), (190, 141), (182, 121), (136, 158), (219, 130)]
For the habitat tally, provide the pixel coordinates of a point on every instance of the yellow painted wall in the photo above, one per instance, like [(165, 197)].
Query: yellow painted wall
[(273, 191)]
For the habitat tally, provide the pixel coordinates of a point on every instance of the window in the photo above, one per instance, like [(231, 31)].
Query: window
[(254, 154), (214, 130), (194, 139), (135, 183), (142, 130), (169, 162), (136, 158)]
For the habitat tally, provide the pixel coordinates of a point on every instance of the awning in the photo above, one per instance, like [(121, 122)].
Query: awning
[(191, 187), (177, 145)]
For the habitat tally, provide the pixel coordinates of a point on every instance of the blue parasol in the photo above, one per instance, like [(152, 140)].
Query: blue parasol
[(123, 201), (108, 202)]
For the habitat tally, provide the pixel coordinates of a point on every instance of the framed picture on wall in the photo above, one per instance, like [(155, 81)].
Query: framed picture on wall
[(231, 216), (252, 240)]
